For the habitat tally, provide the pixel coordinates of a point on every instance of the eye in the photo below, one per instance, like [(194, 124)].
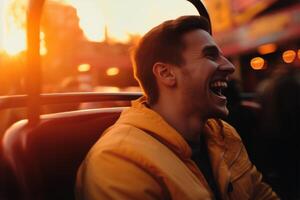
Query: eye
[(212, 55)]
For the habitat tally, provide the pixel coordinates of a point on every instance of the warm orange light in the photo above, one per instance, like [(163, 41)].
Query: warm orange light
[(13, 26), (14, 41), (140, 15), (84, 68), (298, 54), (267, 48), (289, 56), (112, 71), (107, 89), (257, 63), (43, 49)]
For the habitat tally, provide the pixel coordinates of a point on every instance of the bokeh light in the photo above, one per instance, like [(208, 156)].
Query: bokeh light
[(289, 56), (267, 48), (43, 49), (84, 67), (257, 63), (112, 71)]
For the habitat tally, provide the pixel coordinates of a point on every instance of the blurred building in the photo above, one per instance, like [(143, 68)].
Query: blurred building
[(254, 34), (257, 35), (68, 52), (109, 62), (62, 37)]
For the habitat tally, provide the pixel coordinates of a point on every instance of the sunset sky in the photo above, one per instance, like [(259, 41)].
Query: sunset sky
[(121, 17)]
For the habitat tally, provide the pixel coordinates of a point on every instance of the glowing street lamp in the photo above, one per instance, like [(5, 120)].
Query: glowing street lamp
[(257, 63), (112, 71), (267, 48), (84, 68), (289, 56)]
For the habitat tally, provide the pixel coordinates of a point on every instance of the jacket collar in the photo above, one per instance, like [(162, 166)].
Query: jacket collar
[(140, 116), (217, 136), (216, 145)]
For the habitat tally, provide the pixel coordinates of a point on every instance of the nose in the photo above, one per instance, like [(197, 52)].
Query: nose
[(227, 66)]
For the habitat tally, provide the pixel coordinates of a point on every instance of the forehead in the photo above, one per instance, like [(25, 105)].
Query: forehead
[(198, 40)]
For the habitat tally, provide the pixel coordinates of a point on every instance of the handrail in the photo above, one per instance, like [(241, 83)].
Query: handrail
[(33, 69), (202, 11), (61, 98), (15, 101)]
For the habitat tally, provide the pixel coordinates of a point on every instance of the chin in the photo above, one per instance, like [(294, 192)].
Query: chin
[(220, 113)]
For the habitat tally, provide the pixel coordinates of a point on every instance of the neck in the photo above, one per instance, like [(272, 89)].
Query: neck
[(188, 124)]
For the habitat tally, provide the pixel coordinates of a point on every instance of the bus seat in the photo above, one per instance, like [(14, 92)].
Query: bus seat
[(43, 160)]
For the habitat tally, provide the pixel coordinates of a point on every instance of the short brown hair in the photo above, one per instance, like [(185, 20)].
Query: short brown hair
[(163, 43)]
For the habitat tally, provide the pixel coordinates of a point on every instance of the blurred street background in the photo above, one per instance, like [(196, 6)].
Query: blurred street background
[(85, 46)]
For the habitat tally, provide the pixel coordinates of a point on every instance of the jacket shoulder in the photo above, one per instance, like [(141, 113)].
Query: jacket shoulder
[(128, 141), (230, 131), (109, 167), (222, 128)]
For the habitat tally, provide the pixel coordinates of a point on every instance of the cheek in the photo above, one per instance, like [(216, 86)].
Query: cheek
[(196, 85)]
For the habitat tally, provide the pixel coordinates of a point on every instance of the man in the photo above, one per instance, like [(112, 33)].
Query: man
[(171, 144)]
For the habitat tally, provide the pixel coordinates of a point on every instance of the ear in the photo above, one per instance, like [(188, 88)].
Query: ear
[(164, 73)]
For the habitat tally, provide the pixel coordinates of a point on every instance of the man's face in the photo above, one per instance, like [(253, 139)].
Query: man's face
[(203, 76)]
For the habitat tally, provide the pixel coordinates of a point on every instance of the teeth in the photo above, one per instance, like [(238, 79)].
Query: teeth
[(219, 84)]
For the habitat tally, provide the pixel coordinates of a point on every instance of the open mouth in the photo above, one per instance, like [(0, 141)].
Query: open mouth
[(217, 87)]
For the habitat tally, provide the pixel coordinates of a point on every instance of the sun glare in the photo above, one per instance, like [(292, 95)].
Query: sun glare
[(13, 22), (14, 40), (119, 19), (123, 18)]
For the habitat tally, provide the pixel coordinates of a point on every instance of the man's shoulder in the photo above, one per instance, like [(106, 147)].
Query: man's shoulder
[(126, 140)]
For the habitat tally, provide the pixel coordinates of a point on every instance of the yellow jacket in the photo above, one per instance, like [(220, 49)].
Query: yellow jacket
[(142, 157)]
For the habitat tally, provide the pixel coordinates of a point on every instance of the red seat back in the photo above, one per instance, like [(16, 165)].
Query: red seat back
[(43, 160)]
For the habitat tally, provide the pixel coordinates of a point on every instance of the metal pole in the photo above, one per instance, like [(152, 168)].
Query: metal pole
[(201, 10), (33, 71)]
